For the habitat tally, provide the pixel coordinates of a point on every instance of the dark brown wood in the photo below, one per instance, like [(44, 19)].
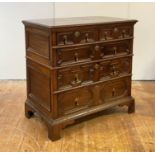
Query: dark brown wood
[(77, 71), (29, 112), (54, 132), (131, 107)]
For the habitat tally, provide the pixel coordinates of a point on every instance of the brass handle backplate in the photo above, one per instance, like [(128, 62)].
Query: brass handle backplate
[(77, 34), (97, 48), (115, 30)]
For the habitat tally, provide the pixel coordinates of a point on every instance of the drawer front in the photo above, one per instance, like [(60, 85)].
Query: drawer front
[(109, 32), (82, 74), (74, 76), (119, 48), (77, 36), (66, 56), (74, 100), (116, 49), (115, 68), (116, 89), (73, 55)]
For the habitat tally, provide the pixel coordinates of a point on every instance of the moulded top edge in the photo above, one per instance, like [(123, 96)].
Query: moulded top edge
[(76, 21)]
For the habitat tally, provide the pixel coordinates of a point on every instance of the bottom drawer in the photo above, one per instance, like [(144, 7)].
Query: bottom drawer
[(83, 98), (116, 89), (75, 100)]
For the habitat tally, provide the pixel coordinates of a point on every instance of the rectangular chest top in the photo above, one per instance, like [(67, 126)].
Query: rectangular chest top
[(76, 21)]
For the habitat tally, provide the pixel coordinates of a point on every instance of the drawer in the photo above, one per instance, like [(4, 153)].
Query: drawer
[(66, 56), (109, 32), (116, 49), (74, 100), (74, 76), (115, 89), (115, 68), (77, 36), (79, 75)]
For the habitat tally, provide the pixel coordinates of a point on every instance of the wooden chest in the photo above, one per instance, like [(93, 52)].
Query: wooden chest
[(77, 67)]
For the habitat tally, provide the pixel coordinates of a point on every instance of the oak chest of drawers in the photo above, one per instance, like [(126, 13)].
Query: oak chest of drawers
[(77, 67)]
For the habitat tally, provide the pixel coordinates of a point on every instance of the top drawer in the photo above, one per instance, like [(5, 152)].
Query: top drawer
[(83, 35), (77, 36), (110, 32)]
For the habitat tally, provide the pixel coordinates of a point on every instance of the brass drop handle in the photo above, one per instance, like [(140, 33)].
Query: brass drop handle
[(128, 51), (86, 37), (113, 92), (96, 48), (102, 52), (92, 56), (59, 58), (76, 101), (76, 57), (91, 73), (59, 76), (96, 66), (65, 39), (114, 71), (96, 74), (105, 35), (123, 33), (93, 49), (115, 50), (76, 78)]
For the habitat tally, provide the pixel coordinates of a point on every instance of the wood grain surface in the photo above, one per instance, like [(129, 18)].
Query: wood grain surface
[(113, 130)]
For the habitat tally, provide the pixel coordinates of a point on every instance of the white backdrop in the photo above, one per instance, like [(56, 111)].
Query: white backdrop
[(12, 52), (12, 39)]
